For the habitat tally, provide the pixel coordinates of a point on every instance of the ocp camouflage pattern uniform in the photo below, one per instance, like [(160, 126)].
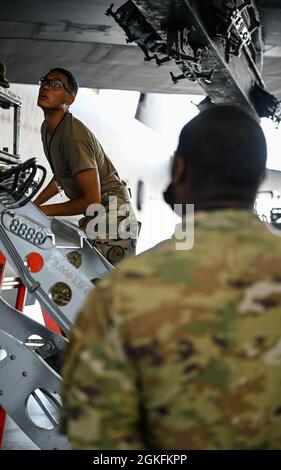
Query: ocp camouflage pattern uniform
[(182, 349), (114, 250)]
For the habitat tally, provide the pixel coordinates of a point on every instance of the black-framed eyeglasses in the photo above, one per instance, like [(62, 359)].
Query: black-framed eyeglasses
[(54, 83)]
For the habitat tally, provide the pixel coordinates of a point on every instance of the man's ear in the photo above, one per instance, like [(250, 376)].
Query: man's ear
[(262, 178), (179, 170), (69, 99)]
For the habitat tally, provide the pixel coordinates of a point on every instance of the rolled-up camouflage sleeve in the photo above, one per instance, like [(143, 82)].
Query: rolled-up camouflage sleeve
[(100, 407)]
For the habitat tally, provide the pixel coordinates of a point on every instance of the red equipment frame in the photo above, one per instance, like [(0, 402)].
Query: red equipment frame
[(19, 305)]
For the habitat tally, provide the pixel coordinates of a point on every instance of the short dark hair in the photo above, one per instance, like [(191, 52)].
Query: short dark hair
[(224, 147), (72, 81)]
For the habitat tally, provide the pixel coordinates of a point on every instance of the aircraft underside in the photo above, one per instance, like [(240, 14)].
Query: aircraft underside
[(217, 43)]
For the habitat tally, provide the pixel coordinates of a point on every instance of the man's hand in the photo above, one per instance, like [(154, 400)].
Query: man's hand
[(50, 191), (88, 183)]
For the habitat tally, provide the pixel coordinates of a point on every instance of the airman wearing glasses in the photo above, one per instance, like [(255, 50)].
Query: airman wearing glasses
[(79, 164)]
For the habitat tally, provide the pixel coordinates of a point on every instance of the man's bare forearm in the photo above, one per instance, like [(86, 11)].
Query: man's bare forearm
[(50, 191), (74, 207)]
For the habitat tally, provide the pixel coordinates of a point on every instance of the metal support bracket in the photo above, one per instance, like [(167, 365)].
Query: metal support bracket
[(27, 380)]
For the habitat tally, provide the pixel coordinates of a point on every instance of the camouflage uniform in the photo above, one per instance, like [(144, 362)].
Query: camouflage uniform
[(182, 349), (114, 250)]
